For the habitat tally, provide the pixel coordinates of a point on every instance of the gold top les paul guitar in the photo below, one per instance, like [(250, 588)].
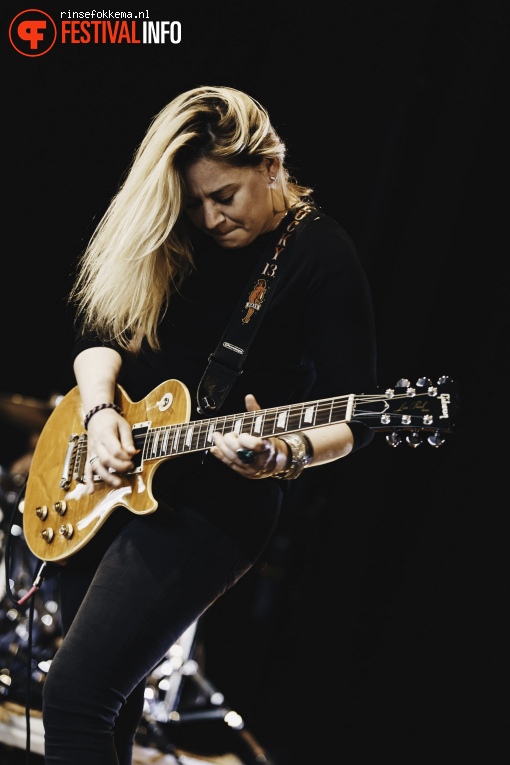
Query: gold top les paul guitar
[(59, 517)]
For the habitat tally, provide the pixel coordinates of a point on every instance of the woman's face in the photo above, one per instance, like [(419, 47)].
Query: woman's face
[(233, 205)]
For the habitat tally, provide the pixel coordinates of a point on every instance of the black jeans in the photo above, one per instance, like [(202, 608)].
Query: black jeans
[(126, 598)]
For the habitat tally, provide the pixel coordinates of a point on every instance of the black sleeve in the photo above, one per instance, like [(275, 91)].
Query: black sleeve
[(340, 321)]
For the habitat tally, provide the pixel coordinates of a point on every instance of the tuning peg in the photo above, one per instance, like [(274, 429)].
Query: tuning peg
[(423, 382), (436, 439), (414, 439), (403, 383), (394, 439)]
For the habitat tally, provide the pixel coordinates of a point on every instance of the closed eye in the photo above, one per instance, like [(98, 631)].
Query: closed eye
[(193, 203)]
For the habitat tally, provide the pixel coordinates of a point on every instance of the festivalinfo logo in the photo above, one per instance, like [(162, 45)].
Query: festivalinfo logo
[(33, 32)]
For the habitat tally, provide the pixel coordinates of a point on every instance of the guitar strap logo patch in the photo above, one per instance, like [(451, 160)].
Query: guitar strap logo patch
[(255, 299)]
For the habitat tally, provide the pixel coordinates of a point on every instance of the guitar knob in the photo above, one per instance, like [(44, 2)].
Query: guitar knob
[(66, 530), (394, 439), (41, 512), (60, 507), (414, 439), (436, 439), (47, 535)]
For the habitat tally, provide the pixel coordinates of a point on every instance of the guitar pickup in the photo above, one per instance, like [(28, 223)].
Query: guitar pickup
[(139, 431)]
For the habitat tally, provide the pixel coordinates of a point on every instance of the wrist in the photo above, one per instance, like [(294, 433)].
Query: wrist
[(283, 457), (298, 453), (97, 409)]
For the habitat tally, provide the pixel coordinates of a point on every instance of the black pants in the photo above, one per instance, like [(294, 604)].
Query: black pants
[(126, 599)]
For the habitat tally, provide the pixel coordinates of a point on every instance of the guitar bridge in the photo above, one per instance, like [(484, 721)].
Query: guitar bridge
[(69, 462)]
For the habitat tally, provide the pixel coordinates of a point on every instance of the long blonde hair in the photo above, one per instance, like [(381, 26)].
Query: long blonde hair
[(140, 253)]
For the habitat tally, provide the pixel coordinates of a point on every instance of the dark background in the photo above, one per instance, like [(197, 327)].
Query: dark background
[(374, 626)]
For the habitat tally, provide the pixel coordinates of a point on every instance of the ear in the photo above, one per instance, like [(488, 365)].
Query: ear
[(272, 167)]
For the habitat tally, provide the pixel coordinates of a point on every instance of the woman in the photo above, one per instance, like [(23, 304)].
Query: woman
[(207, 192)]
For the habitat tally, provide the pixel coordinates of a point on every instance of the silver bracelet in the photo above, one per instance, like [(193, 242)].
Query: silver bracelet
[(301, 455)]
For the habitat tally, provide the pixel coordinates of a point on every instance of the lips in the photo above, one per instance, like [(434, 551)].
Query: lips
[(221, 234)]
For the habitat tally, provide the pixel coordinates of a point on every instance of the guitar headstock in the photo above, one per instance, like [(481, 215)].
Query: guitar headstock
[(425, 407)]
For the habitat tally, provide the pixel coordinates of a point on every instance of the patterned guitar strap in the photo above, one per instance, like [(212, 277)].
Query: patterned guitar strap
[(225, 363)]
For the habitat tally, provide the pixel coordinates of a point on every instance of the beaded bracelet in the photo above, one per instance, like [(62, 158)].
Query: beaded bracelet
[(98, 409), (301, 455)]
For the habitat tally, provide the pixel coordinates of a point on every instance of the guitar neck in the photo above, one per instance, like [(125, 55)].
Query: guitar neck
[(196, 435)]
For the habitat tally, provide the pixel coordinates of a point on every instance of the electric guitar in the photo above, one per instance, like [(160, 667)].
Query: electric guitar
[(59, 518)]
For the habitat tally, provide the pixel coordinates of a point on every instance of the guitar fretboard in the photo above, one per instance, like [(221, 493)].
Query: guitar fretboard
[(196, 435)]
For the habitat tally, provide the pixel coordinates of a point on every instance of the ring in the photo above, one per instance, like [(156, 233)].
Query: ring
[(247, 456), (92, 460)]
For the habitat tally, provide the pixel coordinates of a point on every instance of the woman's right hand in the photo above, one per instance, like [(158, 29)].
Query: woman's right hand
[(110, 449), (110, 446)]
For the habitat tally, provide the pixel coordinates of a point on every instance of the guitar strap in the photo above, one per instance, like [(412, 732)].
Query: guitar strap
[(225, 363)]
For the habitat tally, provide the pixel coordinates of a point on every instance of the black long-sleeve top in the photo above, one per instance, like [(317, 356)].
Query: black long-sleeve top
[(317, 340)]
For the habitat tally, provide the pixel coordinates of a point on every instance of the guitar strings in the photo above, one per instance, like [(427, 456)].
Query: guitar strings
[(151, 442)]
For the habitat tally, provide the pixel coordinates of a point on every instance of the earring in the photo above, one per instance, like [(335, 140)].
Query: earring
[(272, 178)]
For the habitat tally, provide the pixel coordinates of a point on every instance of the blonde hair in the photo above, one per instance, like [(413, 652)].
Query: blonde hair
[(140, 253)]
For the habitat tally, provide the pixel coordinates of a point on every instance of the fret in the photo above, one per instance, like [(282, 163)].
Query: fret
[(150, 441), (151, 444), (155, 443), (258, 424), (189, 437), (209, 434), (223, 425), (281, 420), (175, 441), (269, 423), (195, 444), (250, 419), (309, 414), (295, 419), (325, 414), (203, 435), (181, 447), (262, 414), (164, 443)]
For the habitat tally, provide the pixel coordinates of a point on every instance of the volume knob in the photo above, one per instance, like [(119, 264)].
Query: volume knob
[(47, 535), (66, 530)]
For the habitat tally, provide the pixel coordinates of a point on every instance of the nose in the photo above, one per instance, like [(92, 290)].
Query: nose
[(213, 215)]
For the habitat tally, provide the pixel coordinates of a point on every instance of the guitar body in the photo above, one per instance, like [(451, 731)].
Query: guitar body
[(48, 507)]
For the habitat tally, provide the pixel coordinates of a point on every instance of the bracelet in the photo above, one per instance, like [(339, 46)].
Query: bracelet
[(98, 409), (301, 455)]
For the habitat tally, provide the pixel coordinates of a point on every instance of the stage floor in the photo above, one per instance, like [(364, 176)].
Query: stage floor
[(13, 745)]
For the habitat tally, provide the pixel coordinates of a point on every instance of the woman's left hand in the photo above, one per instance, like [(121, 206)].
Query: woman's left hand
[(248, 455)]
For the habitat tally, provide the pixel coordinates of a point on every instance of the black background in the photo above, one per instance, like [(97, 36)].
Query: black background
[(373, 629)]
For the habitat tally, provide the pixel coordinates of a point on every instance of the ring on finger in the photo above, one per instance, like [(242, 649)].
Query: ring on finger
[(247, 456), (94, 459)]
